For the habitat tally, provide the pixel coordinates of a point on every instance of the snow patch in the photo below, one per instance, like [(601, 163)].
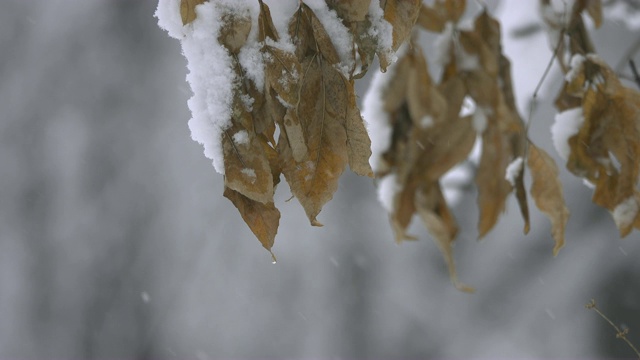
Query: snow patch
[(381, 30), (387, 190), (479, 119), (250, 173), (468, 106), (514, 169), (338, 33), (375, 117), (577, 62), (241, 137), (567, 124), (426, 122), (210, 68), (625, 213)]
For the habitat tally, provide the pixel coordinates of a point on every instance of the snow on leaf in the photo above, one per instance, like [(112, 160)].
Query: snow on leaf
[(402, 15), (546, 191), (188, 10)]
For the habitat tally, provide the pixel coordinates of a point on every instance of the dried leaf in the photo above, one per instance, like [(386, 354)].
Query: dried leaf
[(234, 32), (437, 218), (606, 148), (358, 142), (546, 191), (493, 188), (263, 219), (295, 135), (188, 10), (402, 15), (247, 169), (430, 19), (350, 10), (265, 24), (323, 41), (323, 106), (434, 18)]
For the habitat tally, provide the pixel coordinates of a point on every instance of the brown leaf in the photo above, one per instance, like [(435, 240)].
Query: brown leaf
[(546, 191), (358, 142), (444, 146), (606, 148), (247, 169), (323, 106), (350, 10), (402, 15), (323, 41), (263, 219), (423, 99), (493, 188), (265, 24), (234, 32), (437, 218), (431, 19), (188, 10)]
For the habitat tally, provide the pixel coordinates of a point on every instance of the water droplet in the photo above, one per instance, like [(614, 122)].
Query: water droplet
[(273, 258), (145, 297)]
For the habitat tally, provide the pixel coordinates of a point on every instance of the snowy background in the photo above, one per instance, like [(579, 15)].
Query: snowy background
[(116, 242)]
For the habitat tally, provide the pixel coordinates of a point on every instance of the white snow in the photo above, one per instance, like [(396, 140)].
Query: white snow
[(252, 61), (251, 173), (211, 75), (145, 297), (338, 33), (479, 119), (241, 137), (375, 117), (514, 169), (426, 121), (625, 213), (387, 190), (567, 124), (577, 62), (381, 30), (468, 106)]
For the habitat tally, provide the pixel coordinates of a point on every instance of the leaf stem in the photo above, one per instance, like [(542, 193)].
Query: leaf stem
[(620, 334)]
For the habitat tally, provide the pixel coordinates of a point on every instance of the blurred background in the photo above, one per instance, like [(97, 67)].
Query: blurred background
[(116, 242)]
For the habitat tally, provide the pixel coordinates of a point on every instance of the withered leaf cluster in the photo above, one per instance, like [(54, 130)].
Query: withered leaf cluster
[(308, 102), (302, 121), (606, 148), (430, 137)]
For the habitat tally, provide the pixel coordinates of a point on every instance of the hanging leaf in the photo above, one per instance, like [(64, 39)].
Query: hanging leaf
[(358, 142), (262, 218), (402, 15), (323, 106), (546, 191), (437, 218)]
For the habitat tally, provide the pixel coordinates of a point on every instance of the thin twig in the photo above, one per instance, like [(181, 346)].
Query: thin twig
[(537, 89), (620, 334)]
